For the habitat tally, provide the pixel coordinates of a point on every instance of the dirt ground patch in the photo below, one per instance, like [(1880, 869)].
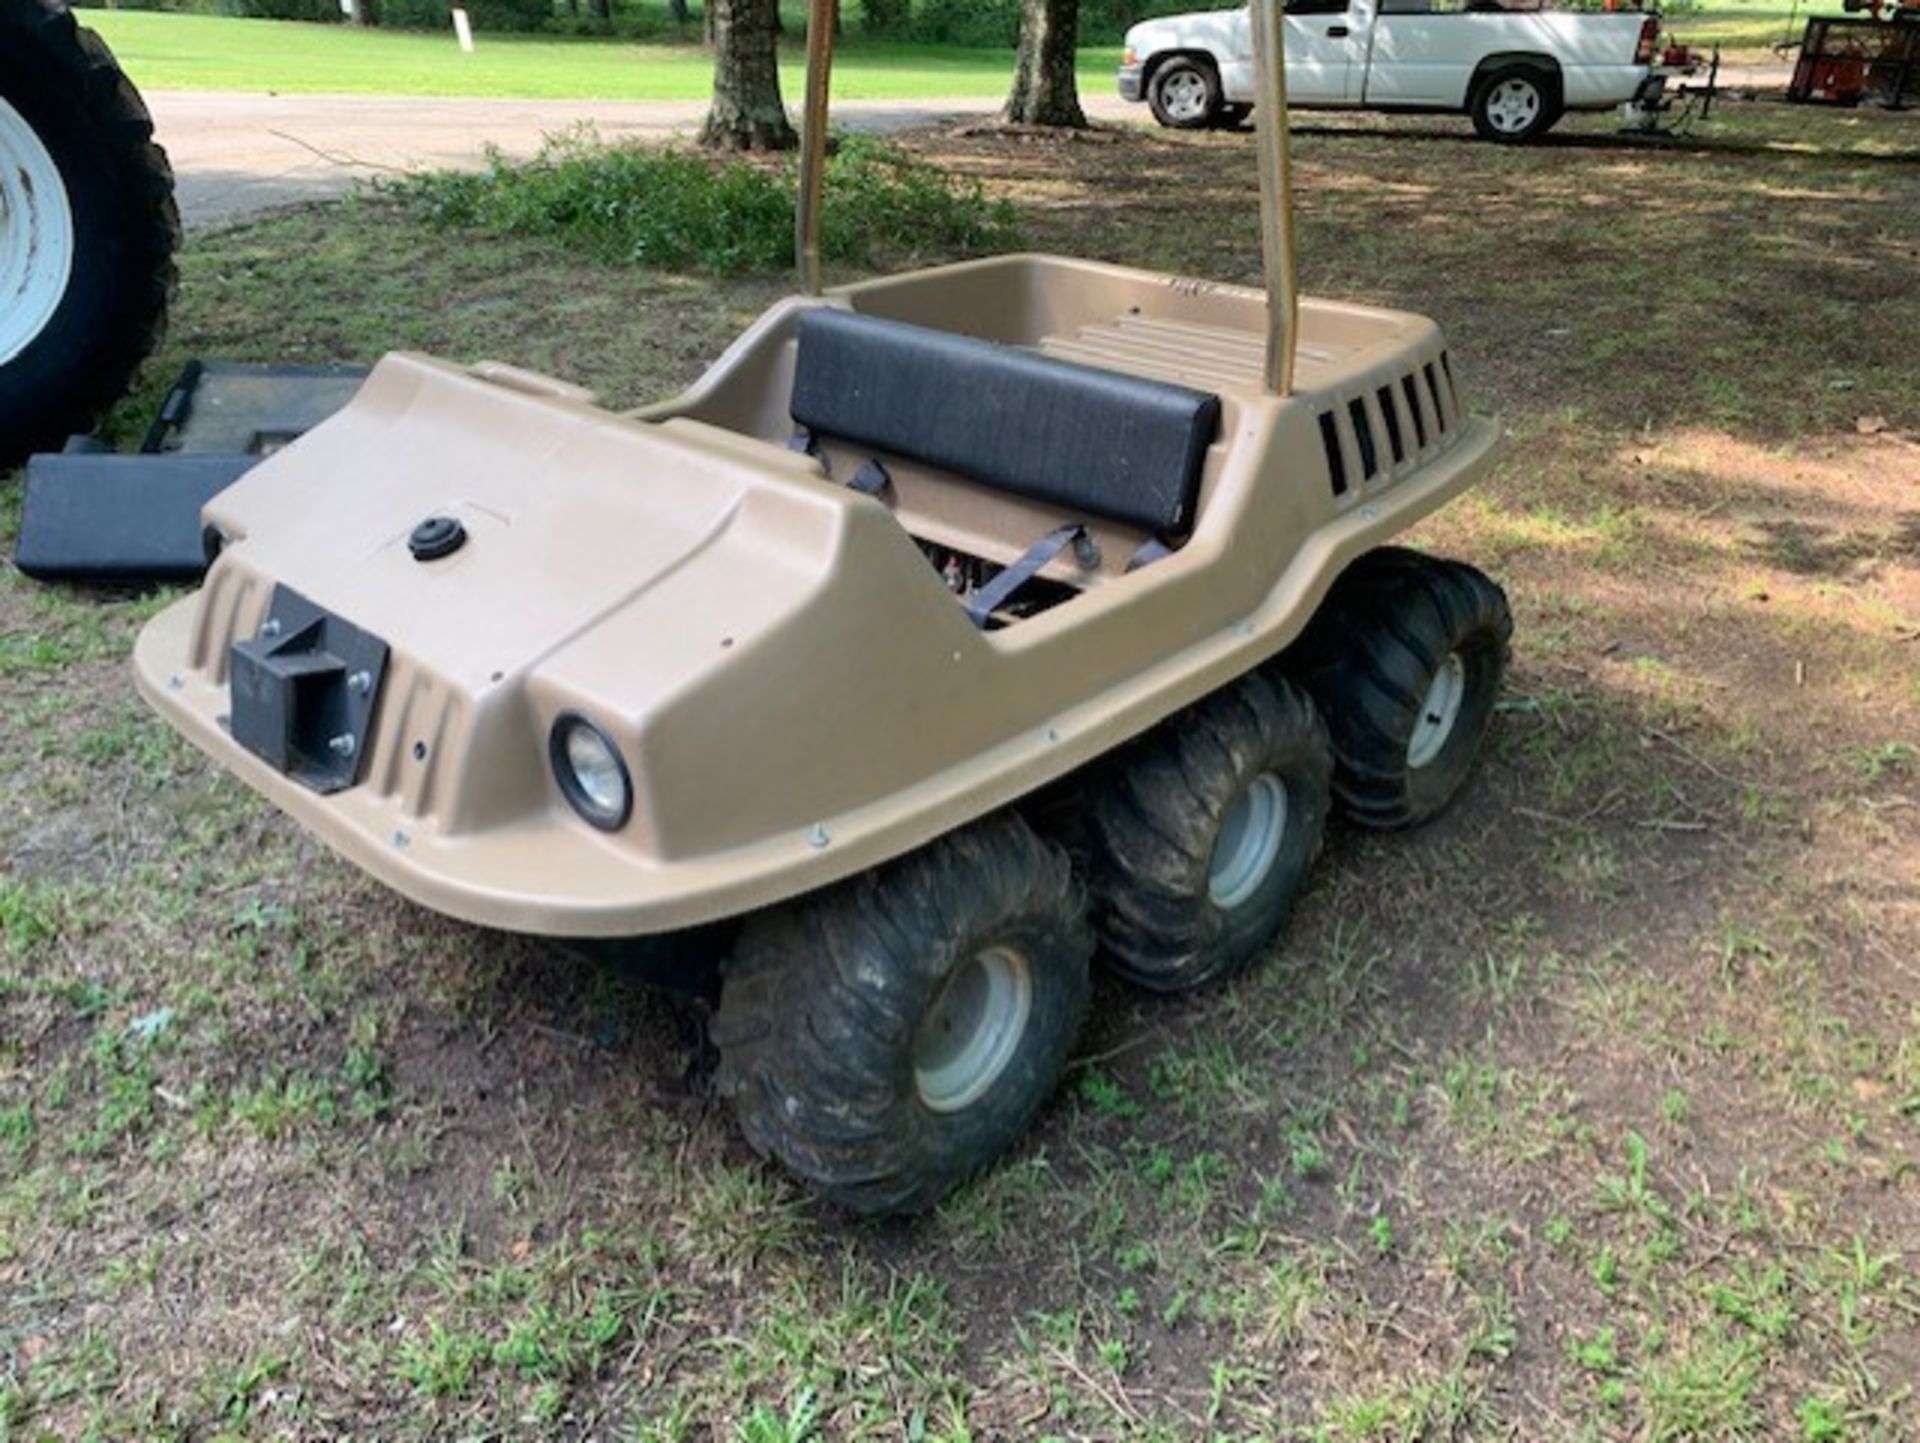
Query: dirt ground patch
[(1590, 1111)]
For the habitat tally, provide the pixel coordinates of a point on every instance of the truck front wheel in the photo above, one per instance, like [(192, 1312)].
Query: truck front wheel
[(1184, 93), (1515, 103)]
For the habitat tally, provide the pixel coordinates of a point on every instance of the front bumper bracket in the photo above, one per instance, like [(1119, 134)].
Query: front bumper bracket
[(303, 692)]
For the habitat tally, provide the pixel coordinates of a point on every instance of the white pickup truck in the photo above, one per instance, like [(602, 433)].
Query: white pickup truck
[(1514, 71)]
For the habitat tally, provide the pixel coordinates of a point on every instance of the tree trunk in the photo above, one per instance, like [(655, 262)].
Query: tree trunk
[(1044, 89), (678, 10), (747, 112)]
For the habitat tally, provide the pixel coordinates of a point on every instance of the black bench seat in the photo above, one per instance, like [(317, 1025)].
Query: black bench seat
[(1093, 442)]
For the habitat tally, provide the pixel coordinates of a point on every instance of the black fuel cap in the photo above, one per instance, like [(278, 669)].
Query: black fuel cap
[(436, 537)]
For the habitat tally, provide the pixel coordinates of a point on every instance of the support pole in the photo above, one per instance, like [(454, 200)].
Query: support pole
[(1276, 193), (822, 19)]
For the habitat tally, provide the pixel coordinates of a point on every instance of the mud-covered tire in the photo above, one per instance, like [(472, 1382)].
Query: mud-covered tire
[(73, 332), (1203, 835), (1405, 660), (835, 1026)]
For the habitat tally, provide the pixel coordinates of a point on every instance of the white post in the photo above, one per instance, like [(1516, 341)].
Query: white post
[(463, 29)]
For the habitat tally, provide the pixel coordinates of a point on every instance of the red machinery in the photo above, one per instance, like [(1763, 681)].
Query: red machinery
[(1845, 60)]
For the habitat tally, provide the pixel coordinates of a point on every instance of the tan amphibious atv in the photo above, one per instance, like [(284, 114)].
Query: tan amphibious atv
[(789, 650)]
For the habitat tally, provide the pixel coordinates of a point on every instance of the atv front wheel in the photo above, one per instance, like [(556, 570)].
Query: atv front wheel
[(1405, 660), (1202, 840), (88, 228), (894, 1035)]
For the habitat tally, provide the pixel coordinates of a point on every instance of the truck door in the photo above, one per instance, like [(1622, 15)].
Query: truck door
[(1326, 50), (1425, 50)]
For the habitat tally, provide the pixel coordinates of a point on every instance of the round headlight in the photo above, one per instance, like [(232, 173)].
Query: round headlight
[(590, 771)]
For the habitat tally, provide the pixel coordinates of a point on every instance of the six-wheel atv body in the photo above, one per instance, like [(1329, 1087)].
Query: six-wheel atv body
[(787, 647), (802, 651), (779, 659)]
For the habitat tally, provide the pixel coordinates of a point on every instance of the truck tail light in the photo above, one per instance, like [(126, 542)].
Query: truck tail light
[(1649, 40)]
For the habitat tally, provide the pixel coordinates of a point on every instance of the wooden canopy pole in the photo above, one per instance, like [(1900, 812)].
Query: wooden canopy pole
[(1276, 193), (822, 19)]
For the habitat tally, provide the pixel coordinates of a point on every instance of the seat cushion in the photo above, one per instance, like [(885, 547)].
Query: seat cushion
[(1093, 442)]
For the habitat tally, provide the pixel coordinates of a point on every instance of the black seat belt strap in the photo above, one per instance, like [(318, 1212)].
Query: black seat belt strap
[(999, 591), (871, 479), (1151, 550)]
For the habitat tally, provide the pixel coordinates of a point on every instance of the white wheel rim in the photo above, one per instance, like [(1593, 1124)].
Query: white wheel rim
[(1184, 95), (36, 235), (1251, 831), (1514, 105), (1439, 712), (974, 1029)]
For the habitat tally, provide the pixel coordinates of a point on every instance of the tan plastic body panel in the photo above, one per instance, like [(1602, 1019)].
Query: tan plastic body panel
[(795, 691)]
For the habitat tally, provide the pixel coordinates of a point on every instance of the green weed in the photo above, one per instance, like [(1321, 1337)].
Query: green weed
[(682, 210)]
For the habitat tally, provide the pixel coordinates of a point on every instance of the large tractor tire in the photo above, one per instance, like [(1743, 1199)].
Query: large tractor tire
[(88, 229)]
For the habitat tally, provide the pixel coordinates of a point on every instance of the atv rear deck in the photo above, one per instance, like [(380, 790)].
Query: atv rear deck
[(799, 691)]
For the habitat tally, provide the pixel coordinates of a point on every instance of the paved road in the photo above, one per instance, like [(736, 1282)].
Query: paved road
[(238, 154)]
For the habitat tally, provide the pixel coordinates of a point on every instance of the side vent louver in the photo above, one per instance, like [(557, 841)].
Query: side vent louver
[(1412, 394), (1336, 461), (1363, 433), (1396, 423), (1391, 415)]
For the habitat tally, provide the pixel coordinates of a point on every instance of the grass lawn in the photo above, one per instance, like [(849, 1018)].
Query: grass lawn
[(204, 52), (1747, 30), (1588, 1112)]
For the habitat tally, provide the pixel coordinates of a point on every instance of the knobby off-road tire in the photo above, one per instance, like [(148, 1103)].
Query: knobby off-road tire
[(88, 229), (894, 1035), (1405, 660), (1205, 833)]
